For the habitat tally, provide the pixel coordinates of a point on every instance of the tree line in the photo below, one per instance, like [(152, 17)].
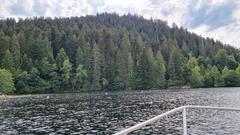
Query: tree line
[(109, 52)]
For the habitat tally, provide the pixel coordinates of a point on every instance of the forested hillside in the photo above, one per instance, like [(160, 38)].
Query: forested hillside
[(109, 52)]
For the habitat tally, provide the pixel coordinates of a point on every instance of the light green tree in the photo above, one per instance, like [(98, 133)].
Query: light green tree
[(7, 61), (6, 81), (81, 75), (196, 79), (159, 71), (66, 73)]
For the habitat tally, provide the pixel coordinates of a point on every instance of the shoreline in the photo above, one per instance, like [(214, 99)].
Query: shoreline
[(13, 96), (167, 89)]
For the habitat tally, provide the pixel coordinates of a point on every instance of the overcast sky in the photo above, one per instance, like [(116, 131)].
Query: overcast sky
[(219, 19)]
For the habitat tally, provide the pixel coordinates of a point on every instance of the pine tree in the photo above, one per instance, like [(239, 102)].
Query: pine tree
[(159, 71), (108, 69), (209, 77), (231, 78), (96, 67), (81, 75), (187, 69), (66, 73), (144, 72), (38, 47), (218, 79), (49, 73), (118, 84), (122, 60), (26, 63), (61, 57), (79, 56), (3, 46), (225, 71), (65, 68), (7, 61), (137, 48), (196, 78), (21, 82), (175, 69), (36, 83), (15, 49), (221, 59), (6, 81), (130, 74)]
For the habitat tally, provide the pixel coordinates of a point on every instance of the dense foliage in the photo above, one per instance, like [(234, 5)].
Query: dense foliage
[(109, 52), (6, 81)]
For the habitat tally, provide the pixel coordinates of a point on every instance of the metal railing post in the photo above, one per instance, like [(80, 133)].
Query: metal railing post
[(184, 121), (182, 108)]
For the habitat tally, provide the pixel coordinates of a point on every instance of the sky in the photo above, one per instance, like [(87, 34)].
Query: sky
[(219, 19)]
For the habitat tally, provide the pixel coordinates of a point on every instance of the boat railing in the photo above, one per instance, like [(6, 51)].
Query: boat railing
[(182, 109)]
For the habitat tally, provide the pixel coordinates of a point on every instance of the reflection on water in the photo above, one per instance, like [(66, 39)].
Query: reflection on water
[(107, 113)]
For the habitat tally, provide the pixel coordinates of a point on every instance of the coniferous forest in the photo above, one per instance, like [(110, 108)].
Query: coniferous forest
[(109, 52)]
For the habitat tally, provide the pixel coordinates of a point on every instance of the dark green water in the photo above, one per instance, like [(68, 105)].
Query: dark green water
[(107, 113)]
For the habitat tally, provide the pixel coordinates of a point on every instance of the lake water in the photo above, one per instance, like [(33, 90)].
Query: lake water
[(108, 112)]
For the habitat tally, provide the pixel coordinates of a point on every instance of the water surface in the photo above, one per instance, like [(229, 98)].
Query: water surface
[(108, 112)]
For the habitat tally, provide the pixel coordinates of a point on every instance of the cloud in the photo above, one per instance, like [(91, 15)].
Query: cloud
[(212, 15), (50, 8), (125, 6), (40, 7), (19, 8), (219, 19)]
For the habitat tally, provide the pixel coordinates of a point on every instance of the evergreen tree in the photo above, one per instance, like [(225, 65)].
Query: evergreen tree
[(66, 73), (36, 83), (209, 78), (3, 45), (96, 64), (21, 82), (7, 61), (15, 49), (6, 82), (79, 56), (38, 47), (231, 78), (122, 60), (222, 59), (65, 68), (118, 84), (61, 57), (26, 63), (196, 78), (81, 75), (49, 73), (144, 72), (175, 69), (238, 69), (137, 48), (40, 52), (213, 77), (218, 79), (159, 71), (131, 78), (225, 71), (108, 68), (187, 68)]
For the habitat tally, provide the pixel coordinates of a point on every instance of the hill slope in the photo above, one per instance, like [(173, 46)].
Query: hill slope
[(111, 52)]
